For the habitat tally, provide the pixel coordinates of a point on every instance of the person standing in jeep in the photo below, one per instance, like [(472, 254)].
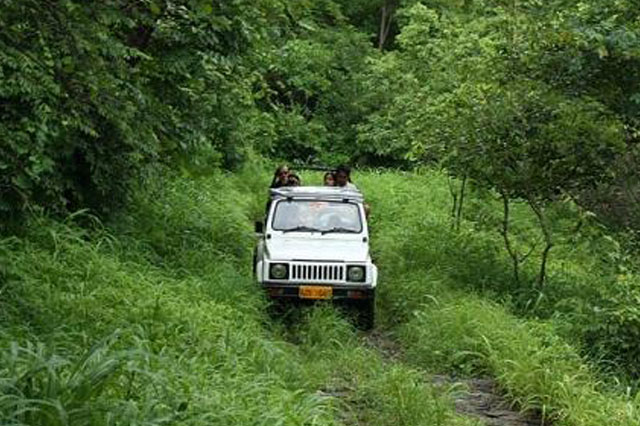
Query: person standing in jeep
[(280, 177), (343, 180), (343, 177)]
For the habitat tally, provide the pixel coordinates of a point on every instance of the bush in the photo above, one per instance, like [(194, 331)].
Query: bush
[(95, 96)]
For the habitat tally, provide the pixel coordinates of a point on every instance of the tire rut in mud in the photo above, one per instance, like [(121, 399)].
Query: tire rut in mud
[(478, 398), (481, 398)]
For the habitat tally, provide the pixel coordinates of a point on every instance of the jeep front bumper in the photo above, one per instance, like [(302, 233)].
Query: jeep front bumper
[(318, 291)]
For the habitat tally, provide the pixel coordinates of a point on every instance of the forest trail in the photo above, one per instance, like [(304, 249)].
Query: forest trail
[(479, 397)]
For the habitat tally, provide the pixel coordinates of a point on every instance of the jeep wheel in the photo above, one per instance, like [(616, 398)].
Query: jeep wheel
[(255, 263), (366, 313)]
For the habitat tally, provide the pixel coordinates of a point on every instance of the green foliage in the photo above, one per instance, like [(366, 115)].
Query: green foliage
[(435, 282), (95, 96), (592, 279), (66, 105), (155, 319), (539, 371), (49, 389), (527, 142), (198, 226), (311, 92), (612, 325), (535, 102), (482, 116), (471, 103)]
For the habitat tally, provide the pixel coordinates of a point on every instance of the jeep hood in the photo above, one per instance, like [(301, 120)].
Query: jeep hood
[(323, 248)]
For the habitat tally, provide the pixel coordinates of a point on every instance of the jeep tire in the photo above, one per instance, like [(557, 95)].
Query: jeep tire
[(366, 313)]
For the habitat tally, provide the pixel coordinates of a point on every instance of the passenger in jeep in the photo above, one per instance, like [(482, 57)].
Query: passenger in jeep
[(343, 177), (329, 179), (293, 180), (343, 180), (280, 177)]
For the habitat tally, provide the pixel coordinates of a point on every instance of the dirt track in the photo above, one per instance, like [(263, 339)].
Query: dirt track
[(479, 398)]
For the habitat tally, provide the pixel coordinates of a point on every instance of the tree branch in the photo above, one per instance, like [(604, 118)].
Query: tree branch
[(539, 212), (505, 235)]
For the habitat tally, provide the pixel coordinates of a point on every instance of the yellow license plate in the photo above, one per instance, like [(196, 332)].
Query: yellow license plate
[(315, 292)]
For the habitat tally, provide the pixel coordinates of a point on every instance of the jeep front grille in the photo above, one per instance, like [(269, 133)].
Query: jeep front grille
[(317, 272)]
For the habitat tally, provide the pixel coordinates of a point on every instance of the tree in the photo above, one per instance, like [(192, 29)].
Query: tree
[(475, 108), (93, 96)]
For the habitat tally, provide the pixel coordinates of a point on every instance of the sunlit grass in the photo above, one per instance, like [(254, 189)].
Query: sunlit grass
[(435, 281), (154, 318), (537, 369)]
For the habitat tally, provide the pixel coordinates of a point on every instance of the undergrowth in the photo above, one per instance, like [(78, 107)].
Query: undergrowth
[(154, 318), (435, 283), (537, 370), (593, 284)]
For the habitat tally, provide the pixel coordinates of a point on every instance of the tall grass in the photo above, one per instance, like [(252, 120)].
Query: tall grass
[(154, 318), (537, 370), (434, 283), (593, 283)]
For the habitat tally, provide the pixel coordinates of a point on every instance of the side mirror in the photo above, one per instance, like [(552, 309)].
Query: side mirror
[(259, 227)]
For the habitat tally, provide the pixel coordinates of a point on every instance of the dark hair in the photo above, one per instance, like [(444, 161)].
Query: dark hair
[(332, 174), (293, 176), (343, 168), (274, 182)]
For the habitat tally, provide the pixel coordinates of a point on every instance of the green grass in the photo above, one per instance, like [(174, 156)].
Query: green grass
[(154, 319), (435, 286), (537, 369), (593, 286)]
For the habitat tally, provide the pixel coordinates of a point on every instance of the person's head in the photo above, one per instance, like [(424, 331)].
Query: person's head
[(342, 175), (293, 180), (282, 173), (329, 179)]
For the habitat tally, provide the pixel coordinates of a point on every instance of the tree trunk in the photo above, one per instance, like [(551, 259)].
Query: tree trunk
[(463, 185), (507, 242), (386, 17), (539, 212), (454, 206)]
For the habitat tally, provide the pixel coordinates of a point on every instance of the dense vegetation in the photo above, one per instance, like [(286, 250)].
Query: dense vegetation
[(153, 318), (502, 139), (532, 100)]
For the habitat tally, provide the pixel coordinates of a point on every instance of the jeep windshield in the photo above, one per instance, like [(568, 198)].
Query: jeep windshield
[(317, 216)]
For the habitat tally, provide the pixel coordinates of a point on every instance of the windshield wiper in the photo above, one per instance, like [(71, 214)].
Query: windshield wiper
[(301, 229), (340, 229)]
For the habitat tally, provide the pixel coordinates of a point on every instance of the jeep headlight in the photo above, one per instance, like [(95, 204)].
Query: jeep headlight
[(356, 274), (279, 271)]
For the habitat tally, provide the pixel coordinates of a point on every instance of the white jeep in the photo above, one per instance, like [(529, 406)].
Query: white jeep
[(314, 244)]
